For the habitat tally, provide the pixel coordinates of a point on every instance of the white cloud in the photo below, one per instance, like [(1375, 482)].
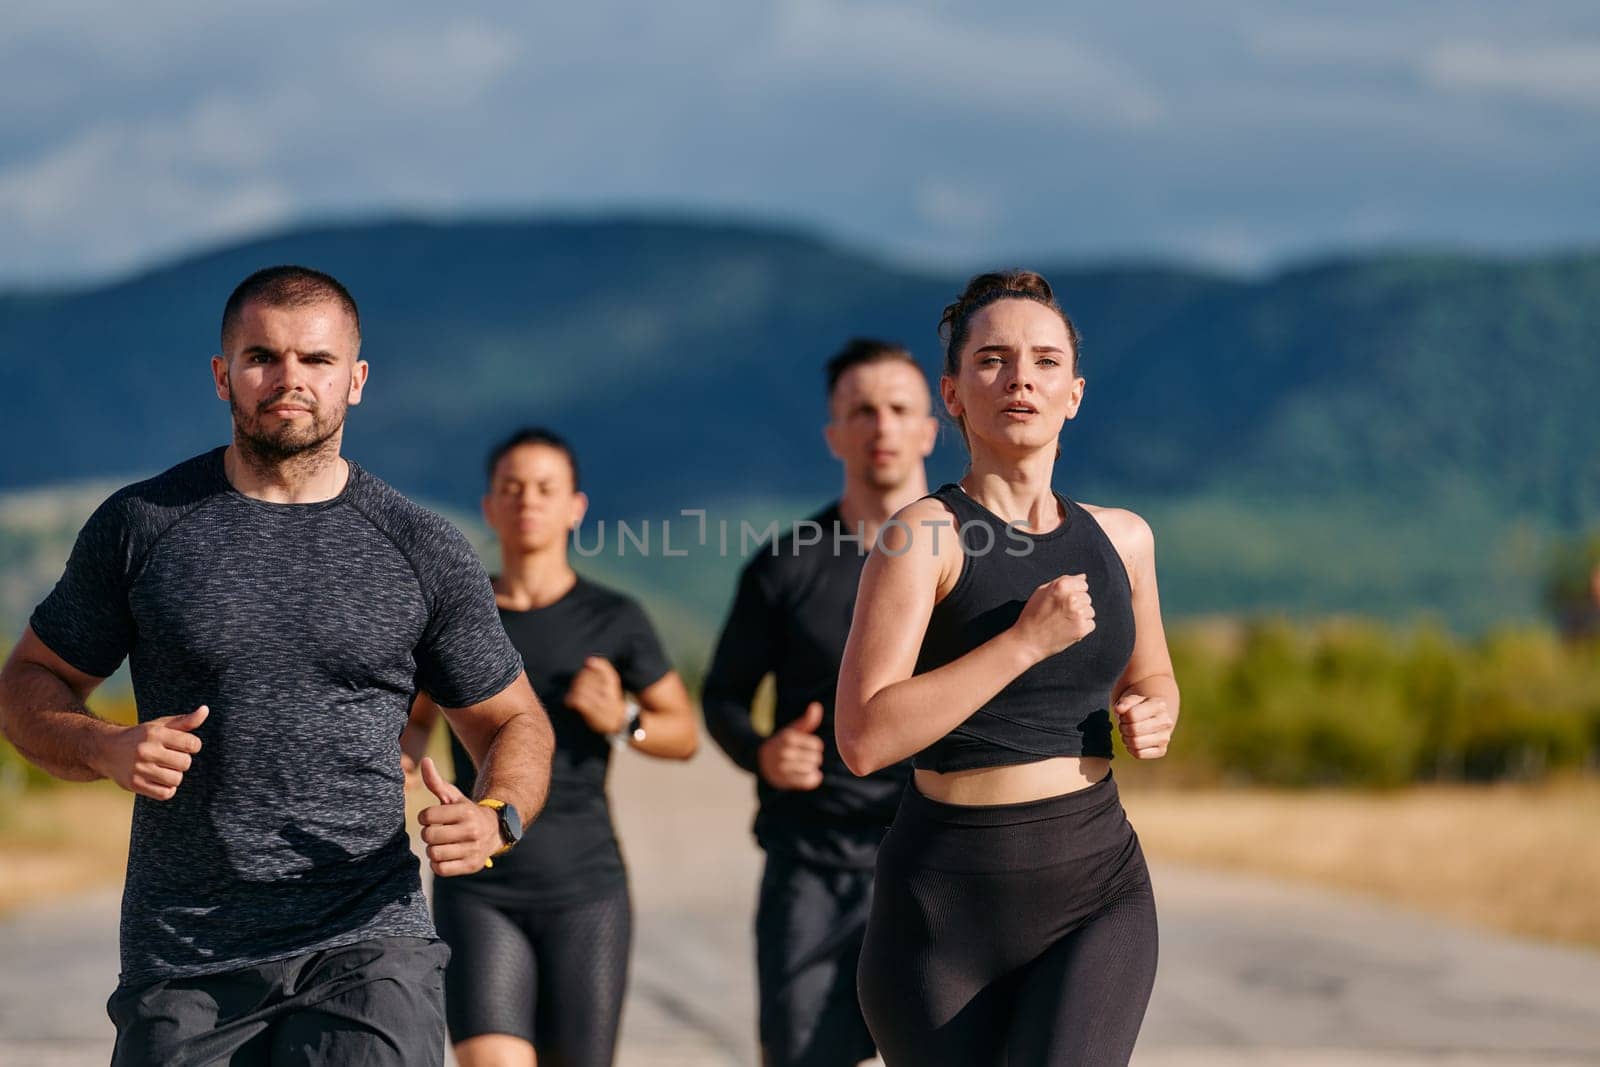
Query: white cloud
[(115, 190), (1358, 45), (1562, 72), (954, 130), (1440, 56), (1231, 245), (907, 50), (434, 66), (953, 206)]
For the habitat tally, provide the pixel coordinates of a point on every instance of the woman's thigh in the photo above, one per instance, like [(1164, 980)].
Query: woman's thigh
[(1083, 1001), (583, 968)]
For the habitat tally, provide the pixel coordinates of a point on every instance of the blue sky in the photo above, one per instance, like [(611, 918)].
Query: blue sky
[(1240, 135)]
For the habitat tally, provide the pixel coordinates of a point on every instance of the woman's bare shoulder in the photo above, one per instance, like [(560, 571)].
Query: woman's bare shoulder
[(922, 541), (1129, 533), (914, 523)]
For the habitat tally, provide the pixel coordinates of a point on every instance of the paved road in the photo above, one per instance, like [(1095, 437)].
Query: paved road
[(1252, 972)]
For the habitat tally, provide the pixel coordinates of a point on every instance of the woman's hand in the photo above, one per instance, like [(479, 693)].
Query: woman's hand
[(1145, 724), (596, 694), (1058, 615)]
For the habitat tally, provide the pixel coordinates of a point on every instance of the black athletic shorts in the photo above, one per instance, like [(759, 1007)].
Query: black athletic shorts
[(809, 924), (377, 1002), (553, 976)]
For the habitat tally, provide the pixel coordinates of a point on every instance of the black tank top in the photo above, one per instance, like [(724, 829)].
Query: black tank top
[(1059, 706)]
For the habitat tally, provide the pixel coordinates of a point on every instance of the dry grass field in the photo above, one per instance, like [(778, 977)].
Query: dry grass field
[(1525, 859), (60, 839)]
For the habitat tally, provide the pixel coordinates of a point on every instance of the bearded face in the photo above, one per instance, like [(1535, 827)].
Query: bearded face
[(290, 376), (283, 426)]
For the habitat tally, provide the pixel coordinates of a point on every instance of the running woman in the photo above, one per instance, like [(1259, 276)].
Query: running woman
[(819, 824), (279, 607), (539, 942), (1003, 633)]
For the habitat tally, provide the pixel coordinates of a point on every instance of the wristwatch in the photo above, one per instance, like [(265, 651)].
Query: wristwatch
[(632, 726), (510, 825)]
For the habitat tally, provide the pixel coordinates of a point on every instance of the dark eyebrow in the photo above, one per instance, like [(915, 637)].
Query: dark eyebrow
[(318, 353), (1012, 348), (262, 350)]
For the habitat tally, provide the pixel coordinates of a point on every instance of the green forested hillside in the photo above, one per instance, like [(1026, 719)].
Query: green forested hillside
[(1390, 435)]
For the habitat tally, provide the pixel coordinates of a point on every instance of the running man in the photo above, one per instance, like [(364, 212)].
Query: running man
[(539, 943), (280, 608), (819, 824)]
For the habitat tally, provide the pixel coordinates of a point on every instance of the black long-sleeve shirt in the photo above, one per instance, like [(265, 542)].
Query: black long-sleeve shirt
[(791, 617)]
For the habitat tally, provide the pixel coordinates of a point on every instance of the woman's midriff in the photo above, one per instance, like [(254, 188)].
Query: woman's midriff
[(1016, 783)]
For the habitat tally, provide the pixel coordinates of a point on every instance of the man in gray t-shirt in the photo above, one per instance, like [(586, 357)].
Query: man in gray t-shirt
[(280, 608)]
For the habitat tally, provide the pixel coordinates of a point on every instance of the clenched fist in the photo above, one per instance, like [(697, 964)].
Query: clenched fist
[(460, 835), (596, 694), (1145, 724), (792, 757), (150, 759), (1057, 616)]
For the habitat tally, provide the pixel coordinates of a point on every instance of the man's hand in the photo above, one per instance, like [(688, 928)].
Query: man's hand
[(1145, 724), (150, 759), (792, 757), (596, 694), (460, 835)]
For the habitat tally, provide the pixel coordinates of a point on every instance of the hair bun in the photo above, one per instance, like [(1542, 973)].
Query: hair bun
[(983, 290)]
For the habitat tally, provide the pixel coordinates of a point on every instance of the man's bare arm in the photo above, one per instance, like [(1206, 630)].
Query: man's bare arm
[(509, 738), (42, 713)]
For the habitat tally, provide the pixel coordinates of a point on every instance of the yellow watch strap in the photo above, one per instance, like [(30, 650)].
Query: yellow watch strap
[(490, 802)]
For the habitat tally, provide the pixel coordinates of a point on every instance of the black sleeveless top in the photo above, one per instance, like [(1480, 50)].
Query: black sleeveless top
[(1059, 706)]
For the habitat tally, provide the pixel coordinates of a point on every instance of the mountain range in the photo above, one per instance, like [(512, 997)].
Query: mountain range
[(1391, 434)]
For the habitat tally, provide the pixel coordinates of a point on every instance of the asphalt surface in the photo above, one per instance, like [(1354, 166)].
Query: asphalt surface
[(1252, 972)]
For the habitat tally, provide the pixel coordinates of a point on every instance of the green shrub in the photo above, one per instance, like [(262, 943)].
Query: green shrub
[(1354, 702)]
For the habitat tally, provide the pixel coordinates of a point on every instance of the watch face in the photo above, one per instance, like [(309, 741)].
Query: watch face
[(510, 824)]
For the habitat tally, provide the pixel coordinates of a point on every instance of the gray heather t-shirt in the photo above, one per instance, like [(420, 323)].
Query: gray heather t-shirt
[(307, 629)]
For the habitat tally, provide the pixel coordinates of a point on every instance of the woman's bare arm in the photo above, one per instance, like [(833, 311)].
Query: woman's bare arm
[(884, 712), (414, 738), (668, 720), (1145, 698)]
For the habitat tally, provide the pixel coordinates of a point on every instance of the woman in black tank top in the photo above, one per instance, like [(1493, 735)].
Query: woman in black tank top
[(1013, 920)]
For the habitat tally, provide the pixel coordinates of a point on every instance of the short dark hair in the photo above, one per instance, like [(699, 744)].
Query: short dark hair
[(531, 435), (862, 350), (287, 286)]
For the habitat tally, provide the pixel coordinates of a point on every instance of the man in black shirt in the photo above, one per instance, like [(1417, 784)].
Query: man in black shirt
[(818, 823), (280, 607)]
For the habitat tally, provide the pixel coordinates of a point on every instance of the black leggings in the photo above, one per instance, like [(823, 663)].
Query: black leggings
[(1012, 933), (554, 977)]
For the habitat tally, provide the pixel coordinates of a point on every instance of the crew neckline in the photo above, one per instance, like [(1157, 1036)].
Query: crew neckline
[(557, 602), (220, 470)]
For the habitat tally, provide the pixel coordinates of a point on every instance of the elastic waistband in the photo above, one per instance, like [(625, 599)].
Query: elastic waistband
[(923, 808)]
